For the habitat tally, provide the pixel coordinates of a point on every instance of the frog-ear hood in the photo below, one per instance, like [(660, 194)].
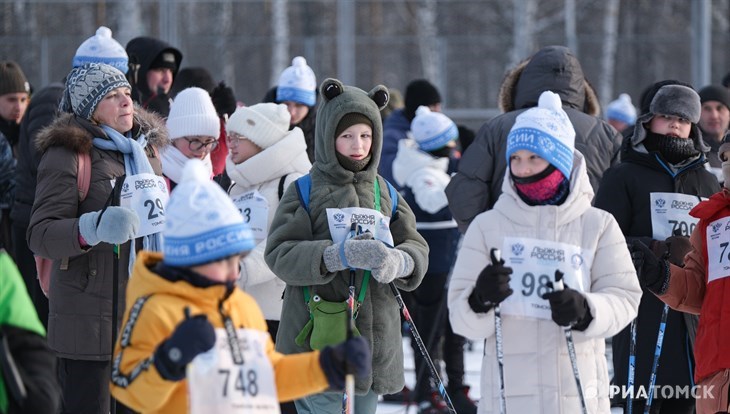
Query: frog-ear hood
[(339, 100)]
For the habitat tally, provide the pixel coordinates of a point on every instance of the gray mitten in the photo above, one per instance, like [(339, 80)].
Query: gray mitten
[(116, 226), (396, 263), (339, 256)]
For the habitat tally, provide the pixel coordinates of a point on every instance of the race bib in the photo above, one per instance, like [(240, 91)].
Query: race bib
[(340, 220), (533, 264), (147, 195), (255, 211), (217, 385), (670, 214), (718, 252)]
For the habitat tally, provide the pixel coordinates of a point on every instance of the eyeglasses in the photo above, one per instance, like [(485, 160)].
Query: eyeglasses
[(197, 145), (233, 139)]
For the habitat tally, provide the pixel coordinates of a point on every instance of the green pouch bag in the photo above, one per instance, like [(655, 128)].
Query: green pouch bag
[(327, 324)]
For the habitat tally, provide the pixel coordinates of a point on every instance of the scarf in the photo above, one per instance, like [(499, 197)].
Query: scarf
[(173, 162), (135, 162), (353, 165), (673, 149), (549, 187)]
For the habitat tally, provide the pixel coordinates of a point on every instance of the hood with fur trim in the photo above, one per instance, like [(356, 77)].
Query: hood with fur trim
[(552, 68), (76, 134)]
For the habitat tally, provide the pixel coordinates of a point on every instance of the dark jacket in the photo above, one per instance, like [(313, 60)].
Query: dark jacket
[(625, 192), (477, 185), (80, 315), (395, 128), (43, 109), (307, 124)]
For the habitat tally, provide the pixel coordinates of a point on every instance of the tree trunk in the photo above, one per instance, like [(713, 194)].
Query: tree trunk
[(280, 31), (428, 42), (608, 57)]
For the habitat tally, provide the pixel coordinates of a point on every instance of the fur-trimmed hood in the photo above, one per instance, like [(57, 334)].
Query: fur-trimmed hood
[(76, 134), (552, 68)]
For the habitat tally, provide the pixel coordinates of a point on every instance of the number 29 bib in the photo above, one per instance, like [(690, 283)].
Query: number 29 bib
[(533, 264), (216, 384), (147, 195)]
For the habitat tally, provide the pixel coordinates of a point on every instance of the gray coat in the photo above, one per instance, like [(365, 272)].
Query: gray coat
[(477, 185), (297, 240), (80, 315)]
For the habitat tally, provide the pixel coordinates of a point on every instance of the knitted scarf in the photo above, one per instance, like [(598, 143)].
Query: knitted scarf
[(673, 149), (173, 161), (549, 187), (135, 162)]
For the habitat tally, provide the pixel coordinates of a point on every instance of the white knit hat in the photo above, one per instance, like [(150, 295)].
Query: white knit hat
[(297, 83), (102, 48), (264, 124), (202, 224), (545, 130), (432, 130), (192, 113), (622, 110)]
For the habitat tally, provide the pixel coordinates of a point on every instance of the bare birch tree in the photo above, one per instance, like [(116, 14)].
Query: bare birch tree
[(524, 22), (608, 57), (428, 41), (281, 37)]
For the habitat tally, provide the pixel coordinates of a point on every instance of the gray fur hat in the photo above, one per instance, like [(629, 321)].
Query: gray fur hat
[(676, 100)]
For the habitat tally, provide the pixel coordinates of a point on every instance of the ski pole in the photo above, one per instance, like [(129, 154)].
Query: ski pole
[(632, 368), (422, 348), (348, 398), (496, 257), (557, 286), (657, 353)]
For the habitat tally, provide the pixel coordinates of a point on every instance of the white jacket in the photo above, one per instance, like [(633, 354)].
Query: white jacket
[(538, 373), (424, 174), (263, 172)]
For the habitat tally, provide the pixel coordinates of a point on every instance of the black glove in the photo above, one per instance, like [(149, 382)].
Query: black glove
[(569, 307), (653, 272), (673, 249), (355, 352), (191, 337), (223, 99), (492, 286)]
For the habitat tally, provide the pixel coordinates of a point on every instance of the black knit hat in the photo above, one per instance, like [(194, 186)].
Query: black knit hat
[(419, 92), (189, 77), (715, 93), (12, 79), (351, 119)]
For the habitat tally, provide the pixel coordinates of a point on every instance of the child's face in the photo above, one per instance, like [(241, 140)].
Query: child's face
[(241, 148), (355, 141), (670, 125), (525, 163), (195, 146)]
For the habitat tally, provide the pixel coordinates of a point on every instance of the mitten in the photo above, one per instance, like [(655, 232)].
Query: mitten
[(653, 272), (569, 308), (492, 286), (191, 337), (223, 99), (117, 225), (396, 263), (339, 255), (673, 249), (355, 352)]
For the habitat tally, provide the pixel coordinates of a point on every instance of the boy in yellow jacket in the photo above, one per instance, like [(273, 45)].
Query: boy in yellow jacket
[(192, 341)]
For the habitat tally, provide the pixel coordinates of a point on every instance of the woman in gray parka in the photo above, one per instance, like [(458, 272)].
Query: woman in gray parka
[(301, 251)]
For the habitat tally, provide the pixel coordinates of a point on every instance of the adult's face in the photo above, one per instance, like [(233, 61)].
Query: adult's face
[(116, 110), (298, 111), (159, 78), (714, 120), (13, 106)]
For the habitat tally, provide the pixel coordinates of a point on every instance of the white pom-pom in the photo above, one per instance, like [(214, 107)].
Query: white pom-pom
[(550, 100), (625, 98), (422, 110), (104, 31), (299, 61), (194, 171)]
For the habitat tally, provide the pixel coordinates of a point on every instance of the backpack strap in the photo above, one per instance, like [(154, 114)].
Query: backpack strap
[(304, 186), (83, 175), (281, 186), (393, 198)]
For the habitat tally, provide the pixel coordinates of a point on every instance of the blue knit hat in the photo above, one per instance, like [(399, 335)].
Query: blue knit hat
[(202, 223), (545, 130), (432, 130), (87, 85), (622, 110), (102, 48), (297, 83)]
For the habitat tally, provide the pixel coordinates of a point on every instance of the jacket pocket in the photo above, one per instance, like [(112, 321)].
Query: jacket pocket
[(713, 393)]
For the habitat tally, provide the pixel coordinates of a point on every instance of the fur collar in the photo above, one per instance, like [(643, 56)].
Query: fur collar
[(67, 131), (588, 104)]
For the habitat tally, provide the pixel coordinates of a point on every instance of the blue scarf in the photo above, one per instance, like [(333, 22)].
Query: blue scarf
[(135, 162)]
